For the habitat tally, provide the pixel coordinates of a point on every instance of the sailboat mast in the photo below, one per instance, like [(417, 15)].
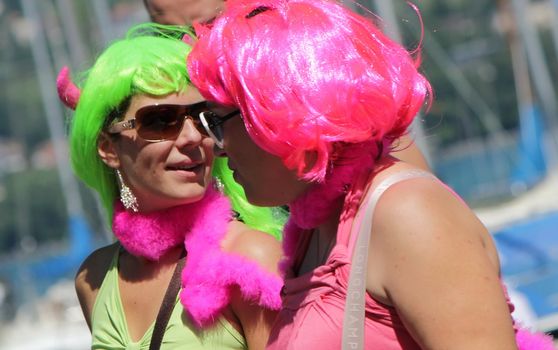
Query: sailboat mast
[(554, 25), (77, 50), (53, 111), (518, 58), (102, 10), (539, 70)]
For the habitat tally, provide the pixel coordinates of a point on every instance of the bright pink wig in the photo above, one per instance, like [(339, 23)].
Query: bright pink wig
[(307, 74)]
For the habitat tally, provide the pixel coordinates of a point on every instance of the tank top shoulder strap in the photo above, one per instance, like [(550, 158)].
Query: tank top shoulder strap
[(366, 210), (110, 280), (114, 261), (353, 320)]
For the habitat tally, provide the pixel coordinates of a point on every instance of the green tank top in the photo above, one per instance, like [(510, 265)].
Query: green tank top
[(110, 331)]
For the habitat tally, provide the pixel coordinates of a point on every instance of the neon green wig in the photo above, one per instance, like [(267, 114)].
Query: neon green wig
[(149, 60)]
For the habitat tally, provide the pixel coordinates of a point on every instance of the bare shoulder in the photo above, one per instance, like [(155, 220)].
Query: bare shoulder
[(425, 206), (421, 231), (254, 245), (263, 249), (421, 224), (90, 276), (93, 269)]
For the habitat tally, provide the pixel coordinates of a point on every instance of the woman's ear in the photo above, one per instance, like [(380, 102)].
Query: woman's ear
[(107, 151)]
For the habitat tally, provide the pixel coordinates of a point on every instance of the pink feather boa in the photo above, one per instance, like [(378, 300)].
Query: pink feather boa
[(316, 205), (209, 274), (527, 340)]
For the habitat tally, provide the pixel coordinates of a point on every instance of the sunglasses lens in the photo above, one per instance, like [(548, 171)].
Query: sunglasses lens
[(159, 122), (164, 122), (212, 125)]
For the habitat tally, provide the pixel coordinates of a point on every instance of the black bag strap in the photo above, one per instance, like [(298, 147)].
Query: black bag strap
[(167, 305)]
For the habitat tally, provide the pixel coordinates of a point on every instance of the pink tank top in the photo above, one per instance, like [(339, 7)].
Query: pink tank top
[(314, 303)]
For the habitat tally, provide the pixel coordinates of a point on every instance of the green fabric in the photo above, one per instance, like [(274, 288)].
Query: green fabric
[(109, 329)]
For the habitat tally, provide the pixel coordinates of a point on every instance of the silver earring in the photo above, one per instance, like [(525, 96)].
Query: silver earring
[(127, 198), (218, 185)]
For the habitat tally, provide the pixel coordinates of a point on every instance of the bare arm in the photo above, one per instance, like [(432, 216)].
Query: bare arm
[(89, 278), (435, 263), (265, 250), (256, 321)]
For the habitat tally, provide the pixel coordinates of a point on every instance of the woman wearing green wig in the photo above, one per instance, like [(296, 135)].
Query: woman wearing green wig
[(184, 273)]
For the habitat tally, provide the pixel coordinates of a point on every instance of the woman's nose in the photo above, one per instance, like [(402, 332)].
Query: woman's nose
[(189, 134)]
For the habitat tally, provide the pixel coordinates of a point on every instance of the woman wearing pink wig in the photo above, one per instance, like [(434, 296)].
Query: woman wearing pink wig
[(309, 99)]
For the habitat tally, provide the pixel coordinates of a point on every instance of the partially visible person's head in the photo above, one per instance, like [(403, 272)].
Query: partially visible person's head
[(310, 78), (165, 159), (265, 179), (182, 12), (141, 70)]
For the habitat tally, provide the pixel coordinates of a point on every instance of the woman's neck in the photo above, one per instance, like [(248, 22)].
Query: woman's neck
[(329, 227), (138, 268), (153, 235), (324, 238), (168, 258)]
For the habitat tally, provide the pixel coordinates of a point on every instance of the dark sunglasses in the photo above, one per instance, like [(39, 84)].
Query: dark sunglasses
[(213, 124), (161, 122)]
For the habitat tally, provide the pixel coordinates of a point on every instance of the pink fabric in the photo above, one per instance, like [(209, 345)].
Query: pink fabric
[(151, 235), (209, 273), (314, 303), (67, 91), (527, 340), (313, 307), (313, 207)]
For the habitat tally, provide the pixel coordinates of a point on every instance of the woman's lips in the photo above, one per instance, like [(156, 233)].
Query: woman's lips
[(188, 171)]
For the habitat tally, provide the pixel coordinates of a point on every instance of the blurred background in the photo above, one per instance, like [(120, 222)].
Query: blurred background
[(491, 134)]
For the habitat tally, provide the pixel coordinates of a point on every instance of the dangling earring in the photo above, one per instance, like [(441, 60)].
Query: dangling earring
[(218, 185), (127, 198)]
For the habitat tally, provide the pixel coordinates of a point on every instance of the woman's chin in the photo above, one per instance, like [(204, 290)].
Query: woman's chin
[(187, 194)]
